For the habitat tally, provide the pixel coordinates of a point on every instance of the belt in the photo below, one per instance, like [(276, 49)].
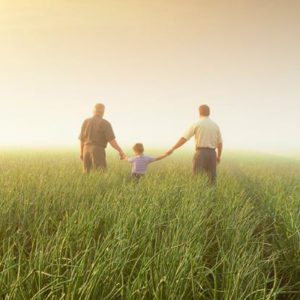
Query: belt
[(96, 145), (207, 148)]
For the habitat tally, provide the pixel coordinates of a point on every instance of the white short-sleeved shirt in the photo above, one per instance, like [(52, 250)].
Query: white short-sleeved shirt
[(140, 163), (206, 132)]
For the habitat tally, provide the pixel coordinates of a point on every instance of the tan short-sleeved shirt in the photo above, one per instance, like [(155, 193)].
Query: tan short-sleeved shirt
[(96, 131), (206, 132)]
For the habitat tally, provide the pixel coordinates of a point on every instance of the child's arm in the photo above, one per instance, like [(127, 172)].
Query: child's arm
[(161, 157), (126, 158)]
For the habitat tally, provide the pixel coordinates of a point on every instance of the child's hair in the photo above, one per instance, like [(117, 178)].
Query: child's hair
[(139, 148)]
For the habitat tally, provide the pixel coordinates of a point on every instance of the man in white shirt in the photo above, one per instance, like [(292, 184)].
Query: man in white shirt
[(208, 139)]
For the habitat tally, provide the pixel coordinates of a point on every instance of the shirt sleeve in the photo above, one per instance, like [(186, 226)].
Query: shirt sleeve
[(150, 159), (81, 135), (189, 133), (109, 133), (131, 159)]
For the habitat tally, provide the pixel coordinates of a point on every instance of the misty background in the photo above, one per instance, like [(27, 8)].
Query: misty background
[(152, 63)]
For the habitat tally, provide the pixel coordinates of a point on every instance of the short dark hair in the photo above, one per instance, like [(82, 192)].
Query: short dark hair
[(139, 148), (204, 110)]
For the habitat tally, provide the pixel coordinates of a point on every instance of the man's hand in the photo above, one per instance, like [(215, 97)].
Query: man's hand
[(122, 155), (81, 156), (218, 159)]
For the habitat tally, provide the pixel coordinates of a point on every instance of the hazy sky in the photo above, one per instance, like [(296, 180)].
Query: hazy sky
[(152, 63)]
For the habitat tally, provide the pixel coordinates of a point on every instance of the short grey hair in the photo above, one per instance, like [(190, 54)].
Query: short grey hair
[(204, 110)]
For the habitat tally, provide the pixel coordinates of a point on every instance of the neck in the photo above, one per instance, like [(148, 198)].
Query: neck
[(98, 115)]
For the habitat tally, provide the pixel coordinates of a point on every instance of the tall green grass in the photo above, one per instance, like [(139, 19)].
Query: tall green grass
[(66, 235)]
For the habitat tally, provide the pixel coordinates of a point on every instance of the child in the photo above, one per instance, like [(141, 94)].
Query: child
[(140, 162)]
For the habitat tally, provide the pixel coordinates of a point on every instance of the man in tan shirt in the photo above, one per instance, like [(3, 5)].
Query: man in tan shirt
[(208, 139), (95, 134)]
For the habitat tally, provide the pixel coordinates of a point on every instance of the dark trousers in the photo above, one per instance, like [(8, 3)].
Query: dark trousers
[(94, 158), (136, 176), (205, 161)]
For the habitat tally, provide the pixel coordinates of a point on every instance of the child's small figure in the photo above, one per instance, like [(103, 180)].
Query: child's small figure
[(140, 162)]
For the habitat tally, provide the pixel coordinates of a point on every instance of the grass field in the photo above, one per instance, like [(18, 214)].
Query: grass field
[(65, 235)]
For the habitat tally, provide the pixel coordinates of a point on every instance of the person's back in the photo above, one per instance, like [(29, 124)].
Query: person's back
[(208, 139), (140, 161), (95, 134), (207, 133), (96, 131)]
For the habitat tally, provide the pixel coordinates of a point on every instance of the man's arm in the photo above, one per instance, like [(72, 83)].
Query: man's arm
[(111, 138), (116, 146), (81, 149), (81, 138), (188, 134), (220, 146), (180, 143), (219, 152)]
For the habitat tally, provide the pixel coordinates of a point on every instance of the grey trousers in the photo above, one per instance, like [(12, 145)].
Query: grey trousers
[(94, 158), (205, 161)]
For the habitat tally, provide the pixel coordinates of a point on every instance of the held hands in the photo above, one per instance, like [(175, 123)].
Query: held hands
[(122, 155)]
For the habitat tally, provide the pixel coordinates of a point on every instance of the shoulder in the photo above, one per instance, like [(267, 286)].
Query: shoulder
[(196, 124), (86, 121), (148, 158), (106, 123), (214, 123), (193, 125)]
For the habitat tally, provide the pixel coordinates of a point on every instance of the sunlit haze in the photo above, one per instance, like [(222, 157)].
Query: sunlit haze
[(152, 63)]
